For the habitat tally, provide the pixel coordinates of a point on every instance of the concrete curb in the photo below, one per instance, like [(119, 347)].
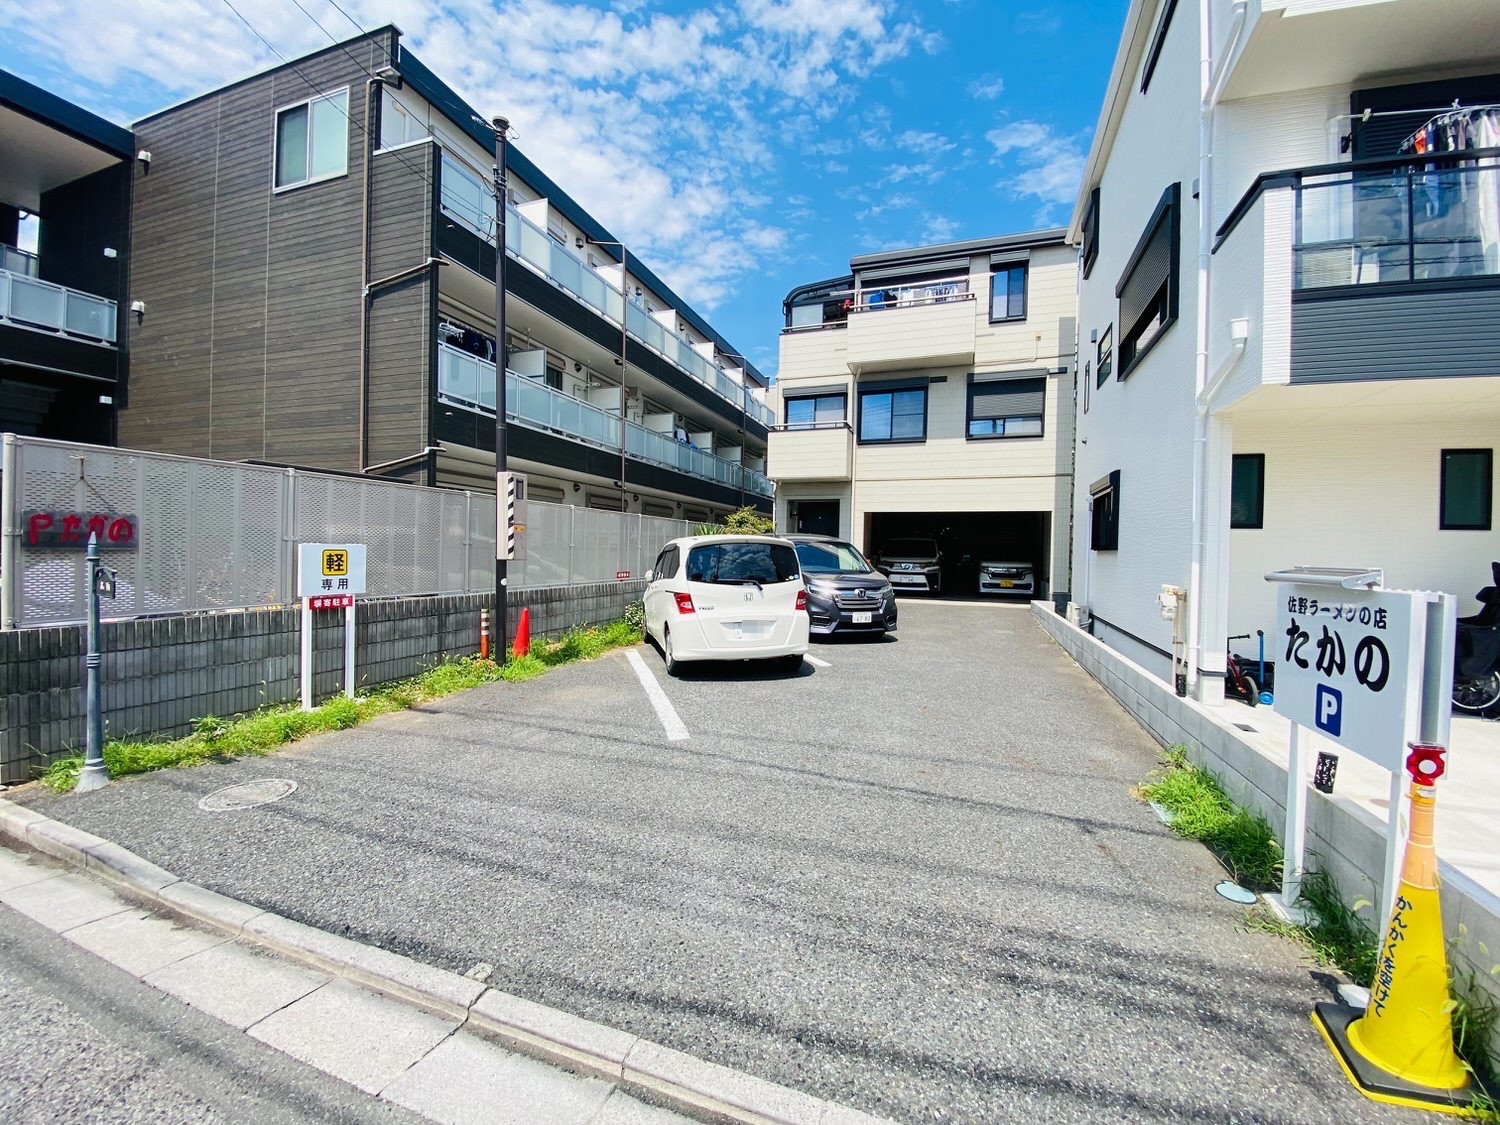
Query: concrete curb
[(679, 1081)]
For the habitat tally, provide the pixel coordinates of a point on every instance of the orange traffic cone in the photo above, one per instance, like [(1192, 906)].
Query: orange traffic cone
[(1400, 1048), (523, 634)]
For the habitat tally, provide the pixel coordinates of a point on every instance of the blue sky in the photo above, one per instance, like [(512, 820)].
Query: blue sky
[(740, 148)]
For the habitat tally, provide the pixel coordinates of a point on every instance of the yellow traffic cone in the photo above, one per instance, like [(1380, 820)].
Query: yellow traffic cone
[(1400, 1049)]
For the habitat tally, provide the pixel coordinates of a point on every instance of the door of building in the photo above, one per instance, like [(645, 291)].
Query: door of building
[(815, 517)]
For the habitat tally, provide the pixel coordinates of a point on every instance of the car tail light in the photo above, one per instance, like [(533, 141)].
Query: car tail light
[(802, 601), (684, 603)]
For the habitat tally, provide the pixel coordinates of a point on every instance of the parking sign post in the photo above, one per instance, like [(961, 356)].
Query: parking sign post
[(1368, 668), (328, 577)]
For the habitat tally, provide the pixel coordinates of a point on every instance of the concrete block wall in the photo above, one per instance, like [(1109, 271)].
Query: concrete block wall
[(158, 676), (1344, 839)]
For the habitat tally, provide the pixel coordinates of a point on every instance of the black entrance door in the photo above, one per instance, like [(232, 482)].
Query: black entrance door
[(816, 517)]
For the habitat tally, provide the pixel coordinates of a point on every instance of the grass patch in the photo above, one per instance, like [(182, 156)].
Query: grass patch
[(1200, 810), (216, 739)]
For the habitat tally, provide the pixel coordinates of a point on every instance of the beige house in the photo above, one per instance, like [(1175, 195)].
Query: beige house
[(929, 393)]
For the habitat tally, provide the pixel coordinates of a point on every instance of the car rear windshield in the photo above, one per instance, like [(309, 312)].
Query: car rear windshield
[(831, 558), (739, 564), (911, 548)]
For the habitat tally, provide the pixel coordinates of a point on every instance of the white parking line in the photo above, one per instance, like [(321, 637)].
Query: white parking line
[(664, 709), (815, 662)]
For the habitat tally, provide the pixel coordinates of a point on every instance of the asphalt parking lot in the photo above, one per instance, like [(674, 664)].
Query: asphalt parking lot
[(910, 878)]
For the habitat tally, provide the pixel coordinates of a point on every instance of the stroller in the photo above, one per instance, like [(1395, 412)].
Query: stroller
[(1476, 660)]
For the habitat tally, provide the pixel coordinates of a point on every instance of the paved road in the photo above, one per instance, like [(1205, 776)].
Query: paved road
[(85, 1041), (913, 881)]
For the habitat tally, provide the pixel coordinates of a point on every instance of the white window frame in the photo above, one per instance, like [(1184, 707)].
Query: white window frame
[(411, 115), (326, 95)]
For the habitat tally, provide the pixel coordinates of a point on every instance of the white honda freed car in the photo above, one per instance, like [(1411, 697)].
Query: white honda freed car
[(727, 597)]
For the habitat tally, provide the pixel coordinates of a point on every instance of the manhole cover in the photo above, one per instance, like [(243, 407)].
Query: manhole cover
[(1236, 893), (247, 794)]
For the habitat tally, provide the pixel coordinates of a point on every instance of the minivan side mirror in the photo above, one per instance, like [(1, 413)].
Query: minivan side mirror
[(649, 576)]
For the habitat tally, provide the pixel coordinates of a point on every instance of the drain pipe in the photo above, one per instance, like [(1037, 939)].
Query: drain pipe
[(1210, 86)]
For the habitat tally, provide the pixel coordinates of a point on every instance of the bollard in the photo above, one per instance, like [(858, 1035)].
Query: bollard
[(94, 774), (484, 634)]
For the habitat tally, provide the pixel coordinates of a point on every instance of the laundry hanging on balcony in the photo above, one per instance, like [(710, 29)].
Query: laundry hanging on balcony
[(1455, 205)]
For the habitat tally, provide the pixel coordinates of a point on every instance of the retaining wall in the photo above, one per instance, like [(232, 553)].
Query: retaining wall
[(159, 675), (1343, 839)]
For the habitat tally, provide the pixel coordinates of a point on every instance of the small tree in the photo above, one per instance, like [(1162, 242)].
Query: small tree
[(747, 521)]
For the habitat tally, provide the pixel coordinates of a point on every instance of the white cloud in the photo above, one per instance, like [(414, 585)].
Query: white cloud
[(651, 120), (924, 144), (987, 87), (1039, 164), (937, 229)]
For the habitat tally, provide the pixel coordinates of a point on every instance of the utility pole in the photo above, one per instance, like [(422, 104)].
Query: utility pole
[(502, 515)]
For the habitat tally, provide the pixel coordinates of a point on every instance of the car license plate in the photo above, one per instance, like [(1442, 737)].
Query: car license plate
[(908, 578), (862, 618), (1006, 584)]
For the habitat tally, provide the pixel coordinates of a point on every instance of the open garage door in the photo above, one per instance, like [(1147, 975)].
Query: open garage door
[(968, 539)]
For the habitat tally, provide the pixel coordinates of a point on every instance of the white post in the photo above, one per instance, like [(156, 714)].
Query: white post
[(1293, 859), (307, 655), (349, 650), (1394, 838)]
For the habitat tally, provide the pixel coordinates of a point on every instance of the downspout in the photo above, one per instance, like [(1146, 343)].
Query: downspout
[(371, 85), (1210, 86)]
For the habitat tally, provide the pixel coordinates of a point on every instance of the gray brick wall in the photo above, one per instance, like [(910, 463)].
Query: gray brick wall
[(158, 676)]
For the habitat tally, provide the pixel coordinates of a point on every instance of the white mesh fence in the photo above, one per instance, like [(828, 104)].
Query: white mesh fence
[(221, 535)]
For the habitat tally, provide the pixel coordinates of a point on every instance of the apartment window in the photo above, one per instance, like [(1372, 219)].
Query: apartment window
[(1104, 356), (1007, 293), (312, 140), (1247, 491), (893, 414), (1147, 290), (398, 125), (1158, 40), (1091, 233), (1467, 489), (1007, 408), (815, 410), (1104, 513)]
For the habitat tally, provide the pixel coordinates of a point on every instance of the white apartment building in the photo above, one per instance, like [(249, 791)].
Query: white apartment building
[(1289, 311), (928, 392)]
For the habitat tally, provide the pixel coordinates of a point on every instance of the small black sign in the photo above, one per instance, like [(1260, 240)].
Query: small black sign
[(1323, 772), (69, 531)]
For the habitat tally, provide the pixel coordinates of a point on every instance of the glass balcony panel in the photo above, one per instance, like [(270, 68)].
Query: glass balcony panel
[(567, 270), (536, 246), (36, 302), (90, 316), (16, 260), (1409, 224)]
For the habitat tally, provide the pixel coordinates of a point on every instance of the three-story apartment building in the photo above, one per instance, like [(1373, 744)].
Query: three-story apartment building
[(928, 393), (318, 260), (64, 241), (1289, 311)]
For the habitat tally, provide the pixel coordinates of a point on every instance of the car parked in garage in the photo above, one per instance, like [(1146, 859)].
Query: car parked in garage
[(727, 597), (1007, 578), (845, 594), (911, 564)]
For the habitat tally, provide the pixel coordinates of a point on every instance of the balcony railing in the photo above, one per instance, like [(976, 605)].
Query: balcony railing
[(469, 381), (1411, 223), (470, 203), (15, 260), (875, 298), (32, 303)]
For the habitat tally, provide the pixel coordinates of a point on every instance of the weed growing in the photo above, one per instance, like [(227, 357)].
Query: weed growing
[(216, 739), (1200, 810)]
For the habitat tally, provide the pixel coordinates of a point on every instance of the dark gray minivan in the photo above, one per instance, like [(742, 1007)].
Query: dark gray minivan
[(845, 594)]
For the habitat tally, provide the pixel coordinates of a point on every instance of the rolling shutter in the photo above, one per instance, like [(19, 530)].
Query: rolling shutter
[(1011, 398), (1152, 268)]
